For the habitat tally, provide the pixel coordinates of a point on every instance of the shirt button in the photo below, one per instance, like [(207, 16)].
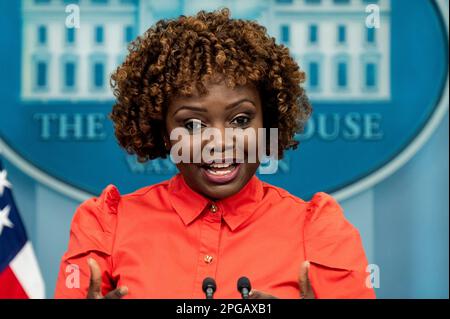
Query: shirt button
[(208, 259), (213, 208)]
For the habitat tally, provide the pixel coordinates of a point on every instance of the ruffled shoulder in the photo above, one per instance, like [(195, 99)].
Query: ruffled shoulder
[(335, 251), (94, 224), (329, 237)]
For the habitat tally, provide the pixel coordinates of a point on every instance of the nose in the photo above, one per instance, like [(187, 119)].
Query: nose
[(217, 142)]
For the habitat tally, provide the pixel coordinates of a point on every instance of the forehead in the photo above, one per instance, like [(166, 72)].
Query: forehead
[(219, 93)]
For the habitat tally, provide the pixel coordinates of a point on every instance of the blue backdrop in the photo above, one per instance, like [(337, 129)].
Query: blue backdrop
[(378, 136)]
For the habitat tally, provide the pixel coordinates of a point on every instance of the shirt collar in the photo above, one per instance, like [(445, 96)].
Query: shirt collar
[(234, 209)]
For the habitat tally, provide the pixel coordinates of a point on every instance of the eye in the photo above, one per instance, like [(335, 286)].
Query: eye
[(241, 120), (193, 124)]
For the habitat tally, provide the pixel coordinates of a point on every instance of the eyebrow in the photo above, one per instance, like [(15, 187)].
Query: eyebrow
[(201, 109)]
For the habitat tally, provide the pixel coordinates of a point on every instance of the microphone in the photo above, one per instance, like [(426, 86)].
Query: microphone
[(244, 287), (209, 287)]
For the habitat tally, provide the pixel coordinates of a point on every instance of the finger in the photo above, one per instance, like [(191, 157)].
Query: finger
[(95, 280), (256, 294), (117, 293), (306, 291)]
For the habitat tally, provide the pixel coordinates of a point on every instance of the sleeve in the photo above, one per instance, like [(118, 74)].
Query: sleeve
[(335, 251), (91, 235)]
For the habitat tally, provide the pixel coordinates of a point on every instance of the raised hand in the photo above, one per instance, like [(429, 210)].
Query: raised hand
[(95, 284), (306, 291)]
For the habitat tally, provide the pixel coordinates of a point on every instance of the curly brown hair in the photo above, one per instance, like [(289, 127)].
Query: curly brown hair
[(174, 55)]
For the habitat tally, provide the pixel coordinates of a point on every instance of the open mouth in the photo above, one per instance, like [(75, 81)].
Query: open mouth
[(220, 168), (220, 172)]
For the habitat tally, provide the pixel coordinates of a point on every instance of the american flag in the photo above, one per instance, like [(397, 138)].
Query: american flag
[(20, 276)]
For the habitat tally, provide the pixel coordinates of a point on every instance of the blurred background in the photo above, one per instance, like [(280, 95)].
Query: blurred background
[(377, 77)]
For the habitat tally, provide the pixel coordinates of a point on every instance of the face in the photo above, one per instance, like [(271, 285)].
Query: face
[(220, 109)]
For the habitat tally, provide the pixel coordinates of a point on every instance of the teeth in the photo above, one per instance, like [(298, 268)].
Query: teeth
[(219, 165), (220, 172)]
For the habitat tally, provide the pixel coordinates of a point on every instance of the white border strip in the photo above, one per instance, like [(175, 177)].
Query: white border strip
[(26, 269), (342, 194)]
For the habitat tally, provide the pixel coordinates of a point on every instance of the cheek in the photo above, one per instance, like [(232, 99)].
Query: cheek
[(252, 143), (186, 169), (184, 146)]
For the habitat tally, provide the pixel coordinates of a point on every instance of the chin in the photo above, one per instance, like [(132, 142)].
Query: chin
[(218, 192)]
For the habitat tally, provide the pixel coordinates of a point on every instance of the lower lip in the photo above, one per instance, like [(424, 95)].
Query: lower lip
[(221, 179)]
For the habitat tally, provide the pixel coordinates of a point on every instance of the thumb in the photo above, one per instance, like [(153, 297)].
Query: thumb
[(256, 294), (306, 291), (95, 281)]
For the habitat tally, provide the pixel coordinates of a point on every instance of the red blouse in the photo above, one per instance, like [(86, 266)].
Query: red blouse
[(163, 240)]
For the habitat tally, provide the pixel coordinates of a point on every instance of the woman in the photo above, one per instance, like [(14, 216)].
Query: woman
[(215, 218)]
